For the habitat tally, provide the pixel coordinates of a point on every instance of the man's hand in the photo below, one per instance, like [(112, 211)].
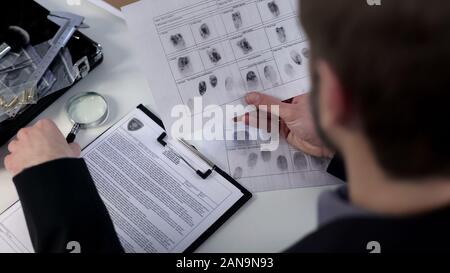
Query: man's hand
[(38, 144), (297, 123)]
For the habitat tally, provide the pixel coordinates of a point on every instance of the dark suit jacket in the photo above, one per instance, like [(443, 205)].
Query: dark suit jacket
[(61, 204)]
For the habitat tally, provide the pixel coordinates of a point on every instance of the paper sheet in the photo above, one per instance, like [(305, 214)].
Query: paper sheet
[(227, 48), (218, 50), (14, 237)]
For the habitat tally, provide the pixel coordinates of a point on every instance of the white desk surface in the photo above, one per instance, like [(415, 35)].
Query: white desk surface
[(270, 222)]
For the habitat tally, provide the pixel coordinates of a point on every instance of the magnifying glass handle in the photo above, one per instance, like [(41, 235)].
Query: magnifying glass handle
[(73, 133)]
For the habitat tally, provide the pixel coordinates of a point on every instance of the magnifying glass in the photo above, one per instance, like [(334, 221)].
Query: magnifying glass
[(86, 110)]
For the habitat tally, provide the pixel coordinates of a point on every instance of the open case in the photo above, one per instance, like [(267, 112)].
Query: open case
[(33, 18)]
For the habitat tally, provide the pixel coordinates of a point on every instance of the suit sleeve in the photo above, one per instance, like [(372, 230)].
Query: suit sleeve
[(61, 204)]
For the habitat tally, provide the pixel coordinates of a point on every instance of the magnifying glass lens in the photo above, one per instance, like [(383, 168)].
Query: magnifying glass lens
[(87, 109)]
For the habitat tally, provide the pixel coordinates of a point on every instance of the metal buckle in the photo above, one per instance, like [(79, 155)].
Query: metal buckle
[(82, 67)]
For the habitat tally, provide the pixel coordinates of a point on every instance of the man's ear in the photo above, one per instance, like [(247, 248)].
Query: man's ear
[(333, 99)]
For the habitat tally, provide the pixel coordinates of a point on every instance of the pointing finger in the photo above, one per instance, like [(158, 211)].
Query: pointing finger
[(286, 110)]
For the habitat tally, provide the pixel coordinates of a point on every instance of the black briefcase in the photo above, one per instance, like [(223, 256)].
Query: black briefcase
[(33, 18)]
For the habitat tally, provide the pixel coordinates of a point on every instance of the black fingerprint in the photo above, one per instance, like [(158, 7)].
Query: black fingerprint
[(214, 55), (270, 73), (202, 88), (237, 174), (300, 161), (183, 63), (177, 40), (289, 70), (296, 57), (274, 9), (252, 159), (213, 80), (266, 155), (245, 46), (229, 83), (281, 34), (204, 31), (237, 19), (282, 163), (252, 79)]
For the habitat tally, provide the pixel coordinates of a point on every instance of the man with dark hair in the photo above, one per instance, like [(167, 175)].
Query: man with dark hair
[(379, 98), (380, 95)]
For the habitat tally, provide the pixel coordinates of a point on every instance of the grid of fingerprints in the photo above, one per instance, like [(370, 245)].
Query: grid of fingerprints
[(247, 160), (220, 50)]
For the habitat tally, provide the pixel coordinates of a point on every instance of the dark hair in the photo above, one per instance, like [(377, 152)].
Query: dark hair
[(393, 61)]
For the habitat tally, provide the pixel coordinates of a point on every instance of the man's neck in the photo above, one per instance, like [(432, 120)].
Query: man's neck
[(372, 189)]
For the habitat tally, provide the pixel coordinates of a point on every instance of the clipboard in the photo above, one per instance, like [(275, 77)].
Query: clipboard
[(246, 195), (214, 227)]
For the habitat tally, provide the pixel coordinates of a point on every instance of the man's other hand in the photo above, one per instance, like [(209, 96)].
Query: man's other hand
[(38, 144), (297, 123)]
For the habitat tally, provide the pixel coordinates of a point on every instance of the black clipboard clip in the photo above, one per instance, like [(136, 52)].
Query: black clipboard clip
[(203, 175)]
